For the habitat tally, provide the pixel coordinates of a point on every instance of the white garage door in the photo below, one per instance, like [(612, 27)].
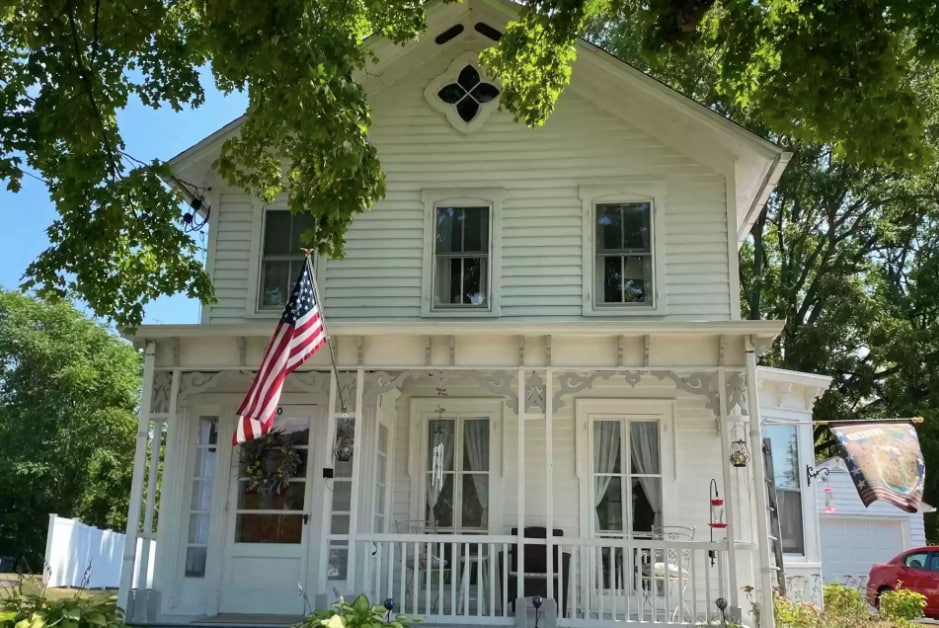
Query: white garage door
[(851, 545)]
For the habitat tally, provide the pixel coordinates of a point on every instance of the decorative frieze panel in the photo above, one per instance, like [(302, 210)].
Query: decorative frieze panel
[(160, 393)]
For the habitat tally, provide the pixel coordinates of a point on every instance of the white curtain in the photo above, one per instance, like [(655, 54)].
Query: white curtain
[(606, 445), (441, 435), (477, 451), (644, 444)]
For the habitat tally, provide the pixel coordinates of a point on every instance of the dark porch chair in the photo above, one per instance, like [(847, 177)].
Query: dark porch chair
[(536, 569)]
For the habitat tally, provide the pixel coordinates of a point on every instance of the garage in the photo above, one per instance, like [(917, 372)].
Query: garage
[(850, 545)]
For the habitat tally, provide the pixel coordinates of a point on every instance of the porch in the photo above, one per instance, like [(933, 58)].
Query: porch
[(462, 492)]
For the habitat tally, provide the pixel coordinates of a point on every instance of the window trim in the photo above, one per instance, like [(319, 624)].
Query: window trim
[(423, 410), (586, 411), (623, 191), (462, 197), (253, 307)]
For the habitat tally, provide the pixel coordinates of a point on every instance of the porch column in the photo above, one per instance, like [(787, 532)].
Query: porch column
[(326, 504), (358, 441), (549, 485), (759, 491), (136, 485), (520, 493), (729, 500)]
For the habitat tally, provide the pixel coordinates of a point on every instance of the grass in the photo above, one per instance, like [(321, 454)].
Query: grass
[(10, 582)]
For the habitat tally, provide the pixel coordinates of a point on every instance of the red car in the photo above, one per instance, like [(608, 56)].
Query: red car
[(915, 569)]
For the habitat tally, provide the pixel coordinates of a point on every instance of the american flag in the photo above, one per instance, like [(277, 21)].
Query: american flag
[(299, 334)]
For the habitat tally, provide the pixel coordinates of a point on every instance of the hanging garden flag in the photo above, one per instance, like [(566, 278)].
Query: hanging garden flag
[(299, 334), (884, 460)]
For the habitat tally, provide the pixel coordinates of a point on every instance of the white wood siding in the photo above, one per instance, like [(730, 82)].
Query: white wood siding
[(540, 171), (697, 460)]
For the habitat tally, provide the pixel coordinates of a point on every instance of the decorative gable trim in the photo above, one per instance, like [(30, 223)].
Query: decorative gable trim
[(464, 94)]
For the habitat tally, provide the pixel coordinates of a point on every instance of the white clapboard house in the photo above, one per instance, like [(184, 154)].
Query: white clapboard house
[(543, 373)]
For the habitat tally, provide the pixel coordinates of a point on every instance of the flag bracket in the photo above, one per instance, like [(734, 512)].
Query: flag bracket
[(812, 473)]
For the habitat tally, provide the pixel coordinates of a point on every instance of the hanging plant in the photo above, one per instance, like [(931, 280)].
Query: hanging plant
[(269, 462)]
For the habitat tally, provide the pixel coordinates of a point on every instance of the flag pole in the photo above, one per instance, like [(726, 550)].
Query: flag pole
[(329, 343), (915, 419)]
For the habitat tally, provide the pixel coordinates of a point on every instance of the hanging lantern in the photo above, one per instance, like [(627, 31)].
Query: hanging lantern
[(739, 454), (344, 449), (718, 516)]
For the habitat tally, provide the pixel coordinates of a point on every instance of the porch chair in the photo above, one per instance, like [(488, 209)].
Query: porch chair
[(666, 574), (536, 569), (421, 561)]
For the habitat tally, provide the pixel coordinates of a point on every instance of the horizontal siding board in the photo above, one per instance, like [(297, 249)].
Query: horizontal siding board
[(540, 171)]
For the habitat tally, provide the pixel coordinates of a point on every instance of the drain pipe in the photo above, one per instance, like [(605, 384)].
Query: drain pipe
[(766, 618)]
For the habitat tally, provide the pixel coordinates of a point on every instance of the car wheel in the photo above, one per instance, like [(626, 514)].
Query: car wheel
[(877, 599)]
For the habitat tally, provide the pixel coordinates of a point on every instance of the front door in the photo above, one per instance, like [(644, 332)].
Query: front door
[(271, 523)]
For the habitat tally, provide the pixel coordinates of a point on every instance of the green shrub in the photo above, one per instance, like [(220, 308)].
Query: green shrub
[(358, 614), (902, 604), (19, 610), (792, 614), (842, 601)]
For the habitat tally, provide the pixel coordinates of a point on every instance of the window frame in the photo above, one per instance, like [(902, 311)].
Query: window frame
[(461, 197), (253, 307), (423, 411), (586, 412), (623, 192)]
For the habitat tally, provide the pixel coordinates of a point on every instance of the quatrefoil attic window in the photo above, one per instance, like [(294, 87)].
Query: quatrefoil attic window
[(468, 93), (463, 94)]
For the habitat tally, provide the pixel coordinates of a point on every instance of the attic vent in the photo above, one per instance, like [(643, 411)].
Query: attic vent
[(448, 34), (487, 31), (468, 93)]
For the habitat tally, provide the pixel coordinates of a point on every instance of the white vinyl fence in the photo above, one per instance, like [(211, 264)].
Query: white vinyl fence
[(73, 548)]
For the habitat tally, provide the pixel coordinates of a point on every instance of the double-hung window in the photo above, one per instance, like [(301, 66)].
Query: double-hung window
[(623, 254), (461, 258), (281, 258), (457, 474), (784, 445)]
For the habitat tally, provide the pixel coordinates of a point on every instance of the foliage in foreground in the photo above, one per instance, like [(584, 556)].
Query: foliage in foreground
[(826, 71), (846, 607), (68, 392), (358, 614), (21, 609)]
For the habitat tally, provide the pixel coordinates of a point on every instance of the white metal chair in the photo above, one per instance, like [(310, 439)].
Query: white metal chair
[(666, 574)]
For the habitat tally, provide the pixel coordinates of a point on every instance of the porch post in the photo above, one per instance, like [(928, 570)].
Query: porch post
[(136, 485), (728, 500), (146, 534), (326, 528), (759, 490), (520, 493), (358, 450), (549, 481)]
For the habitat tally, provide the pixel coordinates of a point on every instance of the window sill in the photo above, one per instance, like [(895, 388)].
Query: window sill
[(615, 311), (460, 313)]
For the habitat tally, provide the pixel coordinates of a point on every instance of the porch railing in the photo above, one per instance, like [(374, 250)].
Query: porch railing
[(463, 578)]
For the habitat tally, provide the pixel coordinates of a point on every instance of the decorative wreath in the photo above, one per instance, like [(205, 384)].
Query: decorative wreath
[(269, 462)]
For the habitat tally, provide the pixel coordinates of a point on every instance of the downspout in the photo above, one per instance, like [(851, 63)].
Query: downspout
[(759, 490)]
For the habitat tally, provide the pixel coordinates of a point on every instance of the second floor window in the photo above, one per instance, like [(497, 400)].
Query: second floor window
[(461, 258), (623, 254), (281, 258)]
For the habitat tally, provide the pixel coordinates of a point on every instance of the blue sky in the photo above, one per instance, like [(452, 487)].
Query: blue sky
[(148, 134)]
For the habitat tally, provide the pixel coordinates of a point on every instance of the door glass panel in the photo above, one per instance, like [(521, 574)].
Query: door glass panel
[(440, 502), (342, 496), (290, 499), (475, 500), (268, 528), (608, 495)]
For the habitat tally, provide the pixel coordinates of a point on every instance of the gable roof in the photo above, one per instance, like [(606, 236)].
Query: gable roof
[(755, 163)]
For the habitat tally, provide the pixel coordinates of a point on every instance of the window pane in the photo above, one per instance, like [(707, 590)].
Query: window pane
[(382, 438), (208, 430), (637, 232), (340, 524), (199, 528), (790, 521), (439, 511), (475, 500), (644, 447), (449, 230), (268, 528), (606, 447), (476, 445), (277, 233), (290, 499), (646, 511), (637, 279), (338, 562), (475, 281), (609, 273), (299, 224), (440, 439), (785, 449), (205, 463), (476, 230), (201, 495), (342, 496), (609, 228), (195, 562), (608, 496), (274, 282), (447, 280)]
